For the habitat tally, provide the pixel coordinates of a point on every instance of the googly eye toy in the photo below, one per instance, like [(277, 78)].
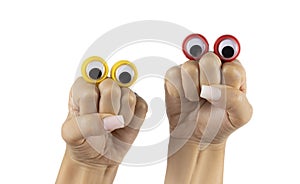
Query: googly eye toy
[(226, 47), (95, 69), (124, 73), (195, 46)]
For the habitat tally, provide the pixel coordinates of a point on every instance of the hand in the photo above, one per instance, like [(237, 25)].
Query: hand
[(102, 123), (206, 100)]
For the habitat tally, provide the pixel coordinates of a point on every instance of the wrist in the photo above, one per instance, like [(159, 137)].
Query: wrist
[(75, 172), (190, 164), (175, 144)]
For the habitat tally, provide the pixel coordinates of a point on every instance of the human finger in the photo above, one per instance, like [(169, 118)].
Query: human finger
[(210, 69), (129, 133), (128, 102), (109, 104), (110, 93), (190, 80), (233, 100), (234, 75), (173, 82), (78, 128), (84, 97)]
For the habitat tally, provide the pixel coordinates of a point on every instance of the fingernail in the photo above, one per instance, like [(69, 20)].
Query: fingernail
[(210, 93), (113, 122)]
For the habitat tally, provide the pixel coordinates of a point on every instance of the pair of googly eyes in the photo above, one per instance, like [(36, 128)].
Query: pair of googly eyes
[(227, 47), (95, 69)]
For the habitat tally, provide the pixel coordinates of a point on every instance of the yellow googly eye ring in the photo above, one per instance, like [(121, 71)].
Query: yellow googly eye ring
[(94, 69), (124, 73)]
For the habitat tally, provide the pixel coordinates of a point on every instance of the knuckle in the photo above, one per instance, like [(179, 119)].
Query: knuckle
[(67, 132), (131, 98), (108, 86), (190, 67), (243, 111), (142, 105), (106, 83), (89, 94), (245, 118), (172, 72), (230, 70)]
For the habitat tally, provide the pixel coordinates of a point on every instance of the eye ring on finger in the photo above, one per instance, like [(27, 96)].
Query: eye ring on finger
[(94, 69), (124, 73), (227, 48), (195, 46)]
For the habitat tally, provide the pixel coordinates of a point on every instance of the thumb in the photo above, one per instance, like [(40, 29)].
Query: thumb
[(234, 101)]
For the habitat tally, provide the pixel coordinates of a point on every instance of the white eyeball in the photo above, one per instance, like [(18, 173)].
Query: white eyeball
[(195, 46), (124, 73), (227, 47), (94, 69)]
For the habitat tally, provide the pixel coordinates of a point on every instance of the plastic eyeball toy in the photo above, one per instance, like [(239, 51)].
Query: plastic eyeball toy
[(94, 70), (226, 47), (195, 46), (124, 73)]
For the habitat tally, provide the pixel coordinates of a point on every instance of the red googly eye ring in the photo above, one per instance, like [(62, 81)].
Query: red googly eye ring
[(195, 46), (227, 47)]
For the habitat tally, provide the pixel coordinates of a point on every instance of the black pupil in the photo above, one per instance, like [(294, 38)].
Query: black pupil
[(95, 73), (196, 50), (125, 77), (227, 52)]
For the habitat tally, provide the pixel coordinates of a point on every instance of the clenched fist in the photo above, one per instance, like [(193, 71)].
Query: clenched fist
[(102, 123), (206, 100)]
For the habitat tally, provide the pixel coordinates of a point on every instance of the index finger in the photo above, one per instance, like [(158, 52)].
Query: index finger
[(190, 80), (174, 95), (83, 98), (173, 82)]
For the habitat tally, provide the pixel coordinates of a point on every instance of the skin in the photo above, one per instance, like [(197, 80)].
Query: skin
[(197, 143), (199, 126), (93, 153)]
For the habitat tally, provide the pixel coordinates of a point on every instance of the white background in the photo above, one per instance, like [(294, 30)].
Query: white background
[(41, 44)]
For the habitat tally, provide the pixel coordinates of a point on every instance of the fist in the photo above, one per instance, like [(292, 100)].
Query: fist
[(103, 121), (206, 100)]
